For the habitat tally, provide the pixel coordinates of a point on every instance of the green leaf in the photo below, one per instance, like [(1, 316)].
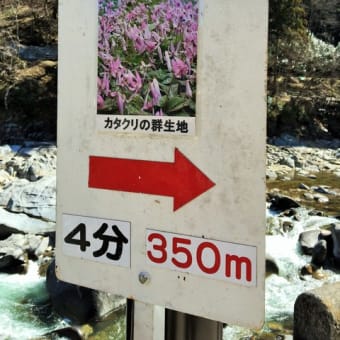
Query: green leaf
[(163, 101), (176, 103), (160, 75), (192, 105), (135, 105), (167, 81), (173, 90)]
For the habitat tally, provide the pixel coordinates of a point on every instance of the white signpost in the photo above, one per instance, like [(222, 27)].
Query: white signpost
[(170, 219)]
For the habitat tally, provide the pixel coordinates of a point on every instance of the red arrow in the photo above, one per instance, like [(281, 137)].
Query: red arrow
[(181, 180)]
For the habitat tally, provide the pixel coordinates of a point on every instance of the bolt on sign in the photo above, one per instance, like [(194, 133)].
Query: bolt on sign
[(161, 153)]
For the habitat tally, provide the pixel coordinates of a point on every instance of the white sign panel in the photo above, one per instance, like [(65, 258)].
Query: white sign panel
[(161, 153)]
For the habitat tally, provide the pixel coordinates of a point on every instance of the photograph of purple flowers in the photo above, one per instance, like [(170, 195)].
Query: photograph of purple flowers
[(147, 56)]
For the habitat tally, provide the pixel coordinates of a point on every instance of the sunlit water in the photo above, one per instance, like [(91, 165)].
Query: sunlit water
[(23, 305), (283, 289)]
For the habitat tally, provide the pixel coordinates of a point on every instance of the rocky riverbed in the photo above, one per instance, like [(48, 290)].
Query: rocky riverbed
[(303, 201), (306, 172)]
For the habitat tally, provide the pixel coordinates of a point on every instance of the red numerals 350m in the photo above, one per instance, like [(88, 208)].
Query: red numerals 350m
[(220, 260)]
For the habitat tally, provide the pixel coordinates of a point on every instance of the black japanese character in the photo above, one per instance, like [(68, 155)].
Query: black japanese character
[(145, 125), (119, 239), (182, 126), (134, 123), (169, 126), (108, 123), (126, 123), (117, 123), (157, 125)]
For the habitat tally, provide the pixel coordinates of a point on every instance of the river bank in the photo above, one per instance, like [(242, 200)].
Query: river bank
[(308, 174)]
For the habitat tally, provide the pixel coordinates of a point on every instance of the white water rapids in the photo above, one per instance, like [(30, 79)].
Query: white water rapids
[(283, 289)]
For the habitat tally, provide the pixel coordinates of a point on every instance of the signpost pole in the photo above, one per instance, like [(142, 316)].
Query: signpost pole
[(149, 322), (145, 321), (181, 326)]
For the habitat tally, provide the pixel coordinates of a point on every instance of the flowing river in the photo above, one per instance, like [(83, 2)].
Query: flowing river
[(25, 312), (283, 289)]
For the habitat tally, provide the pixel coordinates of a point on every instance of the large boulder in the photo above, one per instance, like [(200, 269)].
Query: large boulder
[(319, 253), (281, 203), (308, 239), (70, 301), (31, 161), (70, 333), (21, 223), (271, 266), (37, 199), (317, 314), (18, 248), (79, 304)]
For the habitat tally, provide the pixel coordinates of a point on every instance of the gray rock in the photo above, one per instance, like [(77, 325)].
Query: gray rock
[(308, 239), (337, 155), (16, 249), (316, 314), (273, 226), (71, 332), (281, 203), (303, 186), (271, 266), (289, 161), (299, 162), (11, 262), (271, 174), (308, 196), (321, 198), (8, 190), (21, 223), (24, 242), (36, 199), (316, 213), (311, 176), (5, 150), (322, 189), (31, 161), (319, 253), (34, 53), (77, 303), (287, 226), (42, 247), (68, 300), (5, 177)]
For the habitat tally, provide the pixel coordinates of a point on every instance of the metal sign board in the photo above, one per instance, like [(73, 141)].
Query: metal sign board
[(161, 153)]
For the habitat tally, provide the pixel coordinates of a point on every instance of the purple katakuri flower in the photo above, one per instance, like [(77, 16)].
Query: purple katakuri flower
[(133, 82), (120, 102), (100, 102), (168, 61), (180, 68), (155, 91), (188, 90), (159, 113)]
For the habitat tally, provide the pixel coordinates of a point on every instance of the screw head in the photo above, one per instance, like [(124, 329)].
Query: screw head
[(144, 277)]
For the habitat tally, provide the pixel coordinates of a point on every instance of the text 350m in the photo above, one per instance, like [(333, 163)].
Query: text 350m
[(210, 258)]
